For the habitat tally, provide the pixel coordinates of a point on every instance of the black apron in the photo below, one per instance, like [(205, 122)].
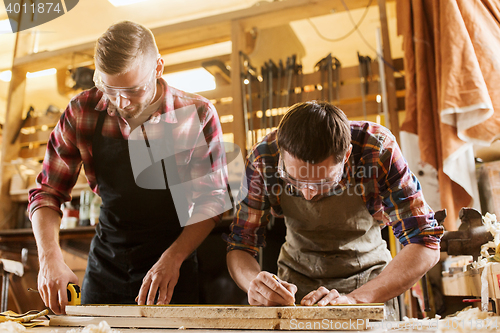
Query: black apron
[(136, 226)]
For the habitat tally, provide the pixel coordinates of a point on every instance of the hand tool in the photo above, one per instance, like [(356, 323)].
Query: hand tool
[(320, 67), (290, 69), (263, 100), (329, 66), (248, 75), (364, 73), (246, 115), (469, 237), (250, 78), (299, 82), (73, 292), (272, 69), (278, 85), (337, 65), (277, 280), (28, 116)]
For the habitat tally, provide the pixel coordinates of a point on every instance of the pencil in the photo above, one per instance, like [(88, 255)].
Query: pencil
[(277, 280)]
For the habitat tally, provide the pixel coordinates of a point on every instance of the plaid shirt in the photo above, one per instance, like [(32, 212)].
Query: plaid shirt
[(391, 192), (70, 146)]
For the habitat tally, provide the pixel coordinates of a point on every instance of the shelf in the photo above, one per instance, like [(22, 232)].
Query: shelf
[(22, 195)]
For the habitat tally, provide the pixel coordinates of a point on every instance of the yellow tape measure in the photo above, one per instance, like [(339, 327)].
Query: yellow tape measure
[(74, 294)]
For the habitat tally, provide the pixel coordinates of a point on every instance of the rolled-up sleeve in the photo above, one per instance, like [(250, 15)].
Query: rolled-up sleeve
[(61, 166), (253, 211), (402, 202)]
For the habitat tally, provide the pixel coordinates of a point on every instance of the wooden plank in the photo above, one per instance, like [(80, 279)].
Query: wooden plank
[(37, 137), (239, 123), (224, 323), (50, 120), (365, 311), (38, 152)]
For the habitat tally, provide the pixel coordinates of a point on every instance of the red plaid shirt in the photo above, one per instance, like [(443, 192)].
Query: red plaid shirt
[(70, 147), (392, 193)]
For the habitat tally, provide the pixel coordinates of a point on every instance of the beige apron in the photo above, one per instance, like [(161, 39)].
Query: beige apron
[(333, 242)]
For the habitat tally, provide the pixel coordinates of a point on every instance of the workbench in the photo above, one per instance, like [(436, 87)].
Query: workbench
[(135, 330), (468, 283)]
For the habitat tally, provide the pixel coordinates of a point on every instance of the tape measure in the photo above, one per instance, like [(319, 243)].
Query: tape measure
[(74, 294)]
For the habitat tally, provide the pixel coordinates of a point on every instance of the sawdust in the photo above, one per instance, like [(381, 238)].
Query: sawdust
[(103, 327), (11, 327), (469, 320)]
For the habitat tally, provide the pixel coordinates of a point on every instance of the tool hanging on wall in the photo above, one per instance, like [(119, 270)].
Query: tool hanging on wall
[(263, 98), (365, 71), (329, 68), (28, 116), (272, 69), (336, 74), (280, 70), (247, 76), (299, 82), (291, 66)]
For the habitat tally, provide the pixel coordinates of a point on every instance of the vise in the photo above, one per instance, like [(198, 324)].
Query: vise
[(469, 237)]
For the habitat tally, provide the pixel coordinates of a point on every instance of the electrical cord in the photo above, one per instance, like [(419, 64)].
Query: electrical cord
[(365, 41), (356, 26)]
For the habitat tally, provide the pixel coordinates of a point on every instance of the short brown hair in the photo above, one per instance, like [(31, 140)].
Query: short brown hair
[(313, 131), (117, 50)]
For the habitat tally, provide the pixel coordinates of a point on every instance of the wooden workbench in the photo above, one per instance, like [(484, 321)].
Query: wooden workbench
[(47, 329)]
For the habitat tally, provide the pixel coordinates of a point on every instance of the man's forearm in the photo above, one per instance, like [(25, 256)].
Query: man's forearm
[(407, 267), (190, 238), (46, 224), (242, 267)]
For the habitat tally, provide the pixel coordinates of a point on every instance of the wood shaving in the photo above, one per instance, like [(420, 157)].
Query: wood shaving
[(103, 327), (12, 327), (468, 320)]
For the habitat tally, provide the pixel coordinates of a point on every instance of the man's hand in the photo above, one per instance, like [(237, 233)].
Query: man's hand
[(53, 279), (265, 290), (161, 279), (323, 296)]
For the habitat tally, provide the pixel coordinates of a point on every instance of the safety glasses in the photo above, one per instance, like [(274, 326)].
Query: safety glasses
[(130, 92), (320, 186)]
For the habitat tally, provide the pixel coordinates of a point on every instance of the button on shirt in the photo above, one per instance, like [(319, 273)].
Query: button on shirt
[(70, 147), (376, 170)]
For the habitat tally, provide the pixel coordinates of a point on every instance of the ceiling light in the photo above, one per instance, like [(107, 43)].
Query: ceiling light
[(5, 26), (45, 72), (119, 3), (6, 76), (193, 80)]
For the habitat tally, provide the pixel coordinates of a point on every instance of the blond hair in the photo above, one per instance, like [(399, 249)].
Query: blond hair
[(122, 46)]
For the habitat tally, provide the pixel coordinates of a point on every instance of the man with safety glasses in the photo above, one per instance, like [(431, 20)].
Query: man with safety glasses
[(336, 183), (142, 252)]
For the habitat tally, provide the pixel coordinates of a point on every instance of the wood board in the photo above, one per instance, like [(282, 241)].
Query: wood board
[(214, 323), (367, 311), (339, 317)]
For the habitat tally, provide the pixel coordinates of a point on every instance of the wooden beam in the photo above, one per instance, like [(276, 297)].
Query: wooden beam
[(198, 32), (389, 72), (10, 151), (238, 43)]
